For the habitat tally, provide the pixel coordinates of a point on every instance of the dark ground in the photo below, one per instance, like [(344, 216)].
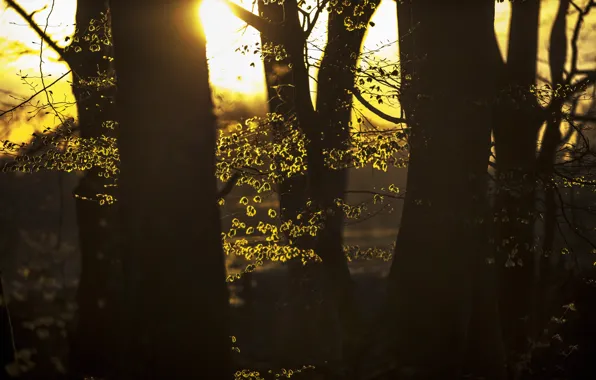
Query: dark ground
[(40, 278)]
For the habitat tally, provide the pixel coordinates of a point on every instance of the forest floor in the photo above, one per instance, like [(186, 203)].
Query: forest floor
[(258, 325), (42, 317)]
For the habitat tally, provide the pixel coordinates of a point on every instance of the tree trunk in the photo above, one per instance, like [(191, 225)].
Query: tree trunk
[(7, 347), (300, 343), (178, 300), (327, 128), (546, 160), (336, 80), (516, 131), (441, 247), (92, 344)]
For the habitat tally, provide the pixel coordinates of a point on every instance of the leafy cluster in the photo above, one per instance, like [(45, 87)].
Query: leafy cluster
[(96, 34), (355, 20)]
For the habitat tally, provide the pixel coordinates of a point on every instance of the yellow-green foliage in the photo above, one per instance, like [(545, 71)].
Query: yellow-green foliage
[(97, 33), (265, 150), (282, 374), (353, 20)]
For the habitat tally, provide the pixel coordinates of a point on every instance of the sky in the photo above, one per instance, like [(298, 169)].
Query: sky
[(234, 80)]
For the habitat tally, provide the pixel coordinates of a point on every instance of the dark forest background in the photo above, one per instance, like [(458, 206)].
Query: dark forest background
[(453, 239)]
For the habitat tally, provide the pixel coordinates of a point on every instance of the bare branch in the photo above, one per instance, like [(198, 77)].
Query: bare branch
[(41, 76), (570, 223), (384, 194), (29, 18), (575, 37), (265, 27), (227, 189), (583, 118), (376, 111), (318, 11), (34, 95)]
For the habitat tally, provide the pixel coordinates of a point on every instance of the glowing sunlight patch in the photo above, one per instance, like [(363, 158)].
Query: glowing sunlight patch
[(229, 69), (216, 19)]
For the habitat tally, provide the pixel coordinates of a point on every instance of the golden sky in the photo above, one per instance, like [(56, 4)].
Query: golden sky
[(232, 75)]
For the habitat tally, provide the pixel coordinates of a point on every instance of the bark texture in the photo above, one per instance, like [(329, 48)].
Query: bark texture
[(91, 346), (177, 309), (441, 271)]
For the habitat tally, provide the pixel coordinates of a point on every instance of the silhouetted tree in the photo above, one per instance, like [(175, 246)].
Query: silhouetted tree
[(327, 127), (89, 57), (441, 266), (517, 122), (177, 297), (7, 347), (526, 165)]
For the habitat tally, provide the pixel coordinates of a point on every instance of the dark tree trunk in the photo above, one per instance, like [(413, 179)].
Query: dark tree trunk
[(438, 275), (7, 347), (551, 141), (298, 344), (92, 345), (517, 123), (178, 299), (336, 80), (327, 128)]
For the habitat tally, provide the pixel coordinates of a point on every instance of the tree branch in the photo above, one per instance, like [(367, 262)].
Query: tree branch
[(583, 118), (2, 113), (227, 189), (311, 26), (376, 111), (265, 27), (29, 18), (384, 194), (582, 13)]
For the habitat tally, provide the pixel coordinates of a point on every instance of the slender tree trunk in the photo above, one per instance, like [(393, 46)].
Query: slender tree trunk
[(7, 347), (327, 128), (516, 130), (551, 141), (178, 305), (336, 80), (442, 244), (92, 352), (299, 343)]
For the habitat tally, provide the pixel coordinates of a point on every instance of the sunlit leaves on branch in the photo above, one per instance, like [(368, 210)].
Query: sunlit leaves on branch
[(264, 150)]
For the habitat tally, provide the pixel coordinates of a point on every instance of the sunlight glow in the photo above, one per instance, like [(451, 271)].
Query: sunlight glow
[(229, 69), (237, 79), (216, 17)]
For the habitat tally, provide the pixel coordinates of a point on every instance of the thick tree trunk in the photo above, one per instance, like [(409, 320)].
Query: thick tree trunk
[(92, 351), (441, 249), (178, 299)]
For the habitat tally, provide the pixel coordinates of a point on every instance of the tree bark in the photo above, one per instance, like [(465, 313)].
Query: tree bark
[(545, 162), (300, 343), (517, 123), (442, 247), (326, 128), (7, 347), (91, 346), (336, 80), (177, 296)]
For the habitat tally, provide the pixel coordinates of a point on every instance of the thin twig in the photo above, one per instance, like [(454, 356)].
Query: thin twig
[(34, 95), (41, 33)]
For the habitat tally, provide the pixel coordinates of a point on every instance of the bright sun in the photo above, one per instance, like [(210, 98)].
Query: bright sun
[(229, 69), (216, 18)]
